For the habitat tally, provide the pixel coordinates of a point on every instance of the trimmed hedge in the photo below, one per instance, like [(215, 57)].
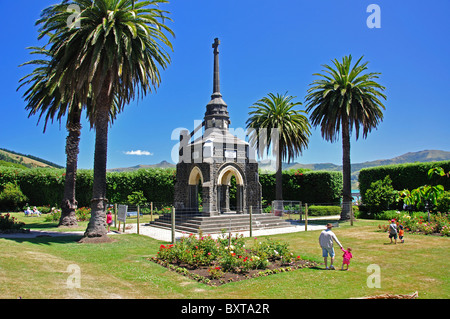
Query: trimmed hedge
[(403, 176), (313, 187), (45, 186)]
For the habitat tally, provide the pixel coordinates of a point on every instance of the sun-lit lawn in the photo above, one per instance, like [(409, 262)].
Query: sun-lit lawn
[(38, 268)]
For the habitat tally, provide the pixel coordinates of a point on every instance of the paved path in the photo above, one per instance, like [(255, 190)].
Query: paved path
[(165, 235)]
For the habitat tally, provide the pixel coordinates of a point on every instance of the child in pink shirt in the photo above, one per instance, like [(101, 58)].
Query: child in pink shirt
[(347, 256), (109, 219)]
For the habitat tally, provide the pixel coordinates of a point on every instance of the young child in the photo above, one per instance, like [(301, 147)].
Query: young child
[(347, 256), (393, 230), (400, 233), (109, 219)]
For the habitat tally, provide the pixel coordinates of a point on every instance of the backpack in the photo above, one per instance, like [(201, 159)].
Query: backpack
[(392, 229)]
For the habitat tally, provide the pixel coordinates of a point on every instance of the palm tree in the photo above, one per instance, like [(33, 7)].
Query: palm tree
[(342, 98), (46, 99), (113, 52), (277, 114)]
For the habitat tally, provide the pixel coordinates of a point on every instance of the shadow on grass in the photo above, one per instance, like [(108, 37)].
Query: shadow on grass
[(40, 225), (48, 239)]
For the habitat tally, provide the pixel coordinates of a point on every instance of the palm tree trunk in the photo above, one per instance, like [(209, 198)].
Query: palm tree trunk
[(346, 171), (97, 222), (69, 202), (279, 175)]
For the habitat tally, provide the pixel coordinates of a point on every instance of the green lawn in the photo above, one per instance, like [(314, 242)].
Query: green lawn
[(38, 268)]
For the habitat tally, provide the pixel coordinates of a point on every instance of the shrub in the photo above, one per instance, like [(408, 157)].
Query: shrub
[(418, 222), (8, 223), (444, 202), (445, 230), (223, 256), (403, 176), (83, 214), (316, 210), (305, 186), (388, 215), (380, 195), (12, 198), (53, 216)]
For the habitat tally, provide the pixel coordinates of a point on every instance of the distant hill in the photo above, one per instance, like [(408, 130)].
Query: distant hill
[(22, 160), (412, 157), (163, 164)]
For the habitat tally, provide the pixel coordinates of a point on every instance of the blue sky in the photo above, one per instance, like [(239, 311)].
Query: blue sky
[(266, 46)]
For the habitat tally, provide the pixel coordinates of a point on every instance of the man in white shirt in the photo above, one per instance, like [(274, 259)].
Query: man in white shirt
[(326, 242)]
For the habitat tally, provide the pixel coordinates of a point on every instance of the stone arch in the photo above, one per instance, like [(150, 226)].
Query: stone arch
[(223, 188), (195, 176), (226, 173), (194, 183)]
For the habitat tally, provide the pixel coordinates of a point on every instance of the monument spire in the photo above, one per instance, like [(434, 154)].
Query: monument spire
[(216, 80), (216, 111)]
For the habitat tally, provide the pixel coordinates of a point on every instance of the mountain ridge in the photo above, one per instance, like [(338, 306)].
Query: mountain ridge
[(410, 157)]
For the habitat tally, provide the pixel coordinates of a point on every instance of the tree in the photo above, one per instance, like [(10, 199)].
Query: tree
[(44, 97), (342, 99), (277, 114), (112, 49), (380, 195)]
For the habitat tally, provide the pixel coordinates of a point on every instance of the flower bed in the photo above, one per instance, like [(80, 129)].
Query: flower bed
[(219, 261), (439, 224), (9, 224)]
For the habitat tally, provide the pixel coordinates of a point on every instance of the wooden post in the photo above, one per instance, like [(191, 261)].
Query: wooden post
[(151, 211), (306, 217), (229, 235), (351, 215), (300, 213), (251, 226), (115, 215), (173, 225), (137, 219)]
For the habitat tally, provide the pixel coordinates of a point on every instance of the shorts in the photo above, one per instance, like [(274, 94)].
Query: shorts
[(326, 251), (393, 236)]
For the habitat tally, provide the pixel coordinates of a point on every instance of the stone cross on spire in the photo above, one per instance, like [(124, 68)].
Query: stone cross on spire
[(216, 82), (216, 110)]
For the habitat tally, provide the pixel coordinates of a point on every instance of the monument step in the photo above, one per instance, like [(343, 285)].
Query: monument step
[(215, 224)]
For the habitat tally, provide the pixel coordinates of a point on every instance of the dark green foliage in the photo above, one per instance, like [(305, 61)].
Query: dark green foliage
[(444, 203), (320, 187), (314, 210), (403, 176), (11, 197), (380, 196), (46, 186)]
